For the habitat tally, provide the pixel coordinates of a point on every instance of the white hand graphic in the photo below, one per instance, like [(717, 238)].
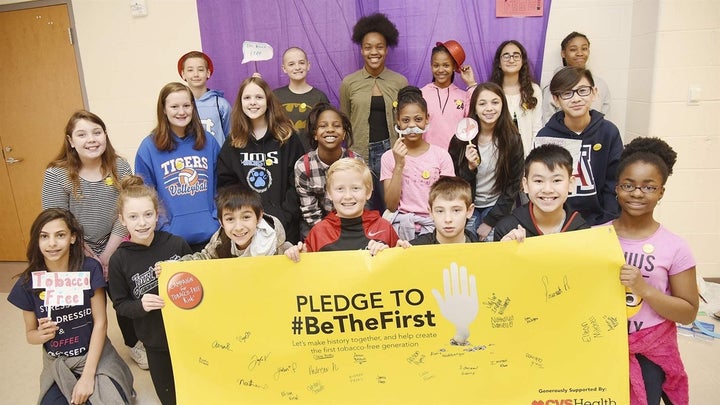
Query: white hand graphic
[(460, 302)]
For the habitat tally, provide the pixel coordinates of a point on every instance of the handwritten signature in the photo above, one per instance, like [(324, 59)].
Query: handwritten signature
[(552, 292), (290, 368), (256, 360)]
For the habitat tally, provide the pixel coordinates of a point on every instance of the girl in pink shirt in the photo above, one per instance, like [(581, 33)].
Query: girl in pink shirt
[(659, 271)]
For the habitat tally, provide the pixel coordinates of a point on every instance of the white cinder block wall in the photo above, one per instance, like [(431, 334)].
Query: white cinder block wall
[(650, 52)]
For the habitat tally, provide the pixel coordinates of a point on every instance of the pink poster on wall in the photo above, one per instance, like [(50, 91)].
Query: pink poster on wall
[(518, 8)]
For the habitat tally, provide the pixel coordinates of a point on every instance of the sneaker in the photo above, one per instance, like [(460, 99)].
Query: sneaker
[(137, 353)]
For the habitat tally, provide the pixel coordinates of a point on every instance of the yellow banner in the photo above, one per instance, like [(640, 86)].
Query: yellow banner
[(544, 323)]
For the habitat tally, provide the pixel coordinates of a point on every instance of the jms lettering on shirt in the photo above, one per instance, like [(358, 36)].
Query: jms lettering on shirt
[(144, 282), (259, 158)]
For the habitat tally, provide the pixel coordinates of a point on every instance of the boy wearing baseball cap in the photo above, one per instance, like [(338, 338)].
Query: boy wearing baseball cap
[(196, 68)]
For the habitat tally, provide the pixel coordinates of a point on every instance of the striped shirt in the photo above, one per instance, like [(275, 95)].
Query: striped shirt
[(95, 207)]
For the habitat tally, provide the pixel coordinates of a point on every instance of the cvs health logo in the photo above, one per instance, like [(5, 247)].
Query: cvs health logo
[(553, 402)]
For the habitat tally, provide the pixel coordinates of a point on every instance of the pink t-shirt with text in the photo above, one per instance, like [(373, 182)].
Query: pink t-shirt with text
[(419, 173), (658, 257)]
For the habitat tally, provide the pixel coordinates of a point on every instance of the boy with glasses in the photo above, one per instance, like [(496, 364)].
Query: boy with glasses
[(593, 141)]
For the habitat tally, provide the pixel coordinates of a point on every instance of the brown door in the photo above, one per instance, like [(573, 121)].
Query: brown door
[(41, 90)]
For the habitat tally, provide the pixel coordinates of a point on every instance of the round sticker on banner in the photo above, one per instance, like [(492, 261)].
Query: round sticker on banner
[(597, 147), (648, 248), (185, 290)]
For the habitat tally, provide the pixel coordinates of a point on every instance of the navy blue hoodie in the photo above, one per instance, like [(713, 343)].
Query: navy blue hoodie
[(594, 196)]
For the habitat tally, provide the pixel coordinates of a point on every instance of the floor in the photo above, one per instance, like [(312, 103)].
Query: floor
[(18, 384)]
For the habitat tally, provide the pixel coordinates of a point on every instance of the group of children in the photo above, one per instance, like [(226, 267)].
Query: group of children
[(246, 168)]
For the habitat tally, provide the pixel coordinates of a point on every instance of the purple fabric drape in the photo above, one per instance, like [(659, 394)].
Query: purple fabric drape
[(323, 29)]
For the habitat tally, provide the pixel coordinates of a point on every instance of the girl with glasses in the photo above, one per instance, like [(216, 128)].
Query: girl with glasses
[(660, 272), (593, 141), (511, 71)]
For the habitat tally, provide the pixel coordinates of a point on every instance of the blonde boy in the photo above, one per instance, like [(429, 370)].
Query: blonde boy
[(350, 226), (548, 181)]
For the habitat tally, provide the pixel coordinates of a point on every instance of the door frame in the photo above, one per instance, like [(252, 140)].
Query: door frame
[(83, 100)]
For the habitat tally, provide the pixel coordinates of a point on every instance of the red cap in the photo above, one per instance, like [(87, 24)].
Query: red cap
[(194, 54), (456, 52)]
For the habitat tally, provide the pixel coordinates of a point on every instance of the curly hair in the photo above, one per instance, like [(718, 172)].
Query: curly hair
[(654, 151), (525, 76), (379, 23), (314, 117)]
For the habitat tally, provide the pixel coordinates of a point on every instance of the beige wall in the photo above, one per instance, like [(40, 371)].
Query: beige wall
[(127, 60), (649, 52), (675, 46)]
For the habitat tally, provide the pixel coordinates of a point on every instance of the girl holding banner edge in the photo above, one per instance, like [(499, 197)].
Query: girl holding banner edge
[(89, 368), (660, 272), (133, 282)]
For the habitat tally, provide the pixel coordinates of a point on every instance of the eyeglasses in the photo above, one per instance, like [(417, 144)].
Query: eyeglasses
[(629, 188), (582, 91), (507, 56)]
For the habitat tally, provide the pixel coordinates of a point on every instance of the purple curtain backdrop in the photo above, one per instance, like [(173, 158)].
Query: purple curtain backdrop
[(323, 29)]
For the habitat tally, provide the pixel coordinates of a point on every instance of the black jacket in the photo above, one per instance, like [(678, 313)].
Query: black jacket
[(132, 274), (523, 216), (267, 167)]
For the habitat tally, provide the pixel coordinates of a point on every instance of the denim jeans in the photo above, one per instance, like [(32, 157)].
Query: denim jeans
[(476, 219), (375, 152)]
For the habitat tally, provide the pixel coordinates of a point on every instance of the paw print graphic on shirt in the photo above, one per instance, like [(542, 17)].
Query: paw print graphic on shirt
[(259, 179)]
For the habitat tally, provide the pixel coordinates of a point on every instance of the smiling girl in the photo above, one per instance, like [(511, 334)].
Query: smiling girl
[(84, 179), (178, 160), (575, 52), (493, 162), (511, 70), (660, 271), (447, 104), (411, 167), (262, 152), (367, 95), (134, 283), (79, 362)]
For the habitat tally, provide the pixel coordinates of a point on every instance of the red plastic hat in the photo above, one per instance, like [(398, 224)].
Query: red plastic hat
[(456, 52), (195, 54)]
